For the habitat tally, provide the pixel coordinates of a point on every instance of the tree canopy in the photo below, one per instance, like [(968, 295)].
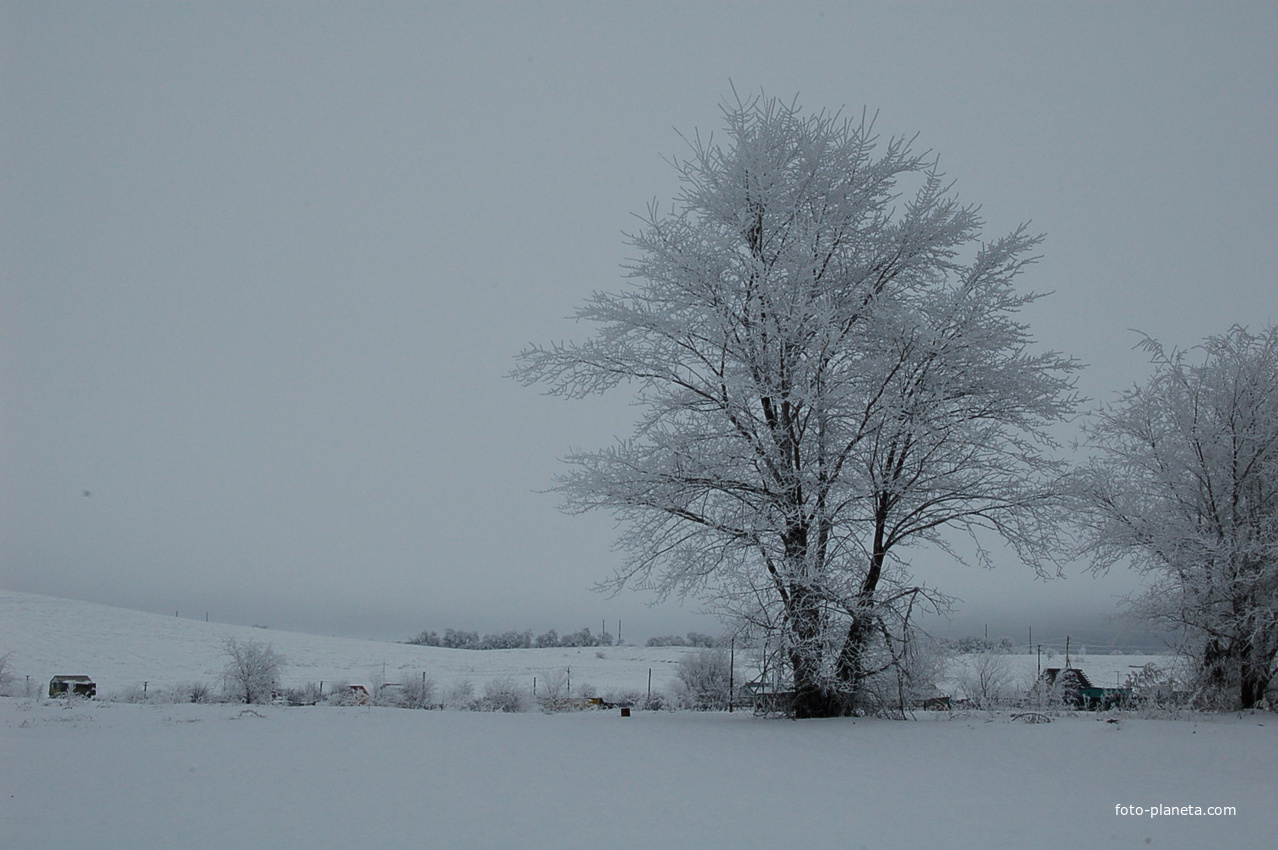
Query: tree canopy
[(830, 365)]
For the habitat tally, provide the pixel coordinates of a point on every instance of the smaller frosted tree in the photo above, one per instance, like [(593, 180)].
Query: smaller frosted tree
[(1186, 487), (987, 678), (704, 677), (252, 669)]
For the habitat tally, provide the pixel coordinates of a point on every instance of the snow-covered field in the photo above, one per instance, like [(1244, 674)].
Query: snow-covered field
[(117, 775)]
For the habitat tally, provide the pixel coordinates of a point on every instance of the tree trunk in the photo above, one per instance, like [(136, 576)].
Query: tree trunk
[(852, 669), (813, 696), (1255, 674), (1252, 688), (811, 691), (818, 703), (1252, 669)]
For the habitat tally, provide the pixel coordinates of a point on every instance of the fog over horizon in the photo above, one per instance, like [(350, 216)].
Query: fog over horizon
[(266, 268)]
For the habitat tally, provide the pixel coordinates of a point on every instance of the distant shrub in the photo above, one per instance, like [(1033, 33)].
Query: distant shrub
[(460, 695), (971, 644), (6, 675), (656, 701), (504, 695), (1156, 692), (907, 677), (629, 697), (425, 639), (381, 692), (585, 638), (551, 689), (704, 678), (308, 694), (136, 694), (690, 639), (150, 694), (419, 692), (252, 670)]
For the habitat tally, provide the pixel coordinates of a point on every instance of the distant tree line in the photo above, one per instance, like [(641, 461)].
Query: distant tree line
[(690, 639), (461, 639), (971, 645)]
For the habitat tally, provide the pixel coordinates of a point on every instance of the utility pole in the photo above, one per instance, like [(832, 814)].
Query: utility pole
[(732, 669)]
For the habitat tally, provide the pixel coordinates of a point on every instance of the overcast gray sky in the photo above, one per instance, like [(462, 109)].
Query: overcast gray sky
[(265, 266)]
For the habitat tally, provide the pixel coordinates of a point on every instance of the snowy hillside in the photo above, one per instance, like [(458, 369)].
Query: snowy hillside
[(120, 648)]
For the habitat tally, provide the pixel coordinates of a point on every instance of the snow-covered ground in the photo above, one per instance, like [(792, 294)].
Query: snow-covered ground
[(117, 775)]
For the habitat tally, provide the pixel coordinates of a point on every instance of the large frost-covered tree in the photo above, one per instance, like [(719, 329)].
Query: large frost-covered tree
[(830, 366), (1186, 487)]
